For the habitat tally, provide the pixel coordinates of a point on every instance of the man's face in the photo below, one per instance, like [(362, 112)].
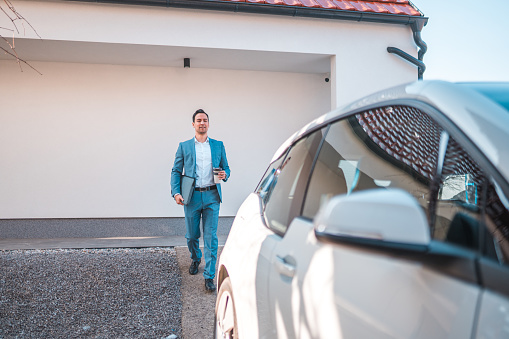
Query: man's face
[(201, 123)]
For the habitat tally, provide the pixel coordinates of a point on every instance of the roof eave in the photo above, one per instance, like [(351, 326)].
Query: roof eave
[(244, 7)]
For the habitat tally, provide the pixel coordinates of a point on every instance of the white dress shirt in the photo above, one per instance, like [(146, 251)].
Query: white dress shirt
[(204, 175)]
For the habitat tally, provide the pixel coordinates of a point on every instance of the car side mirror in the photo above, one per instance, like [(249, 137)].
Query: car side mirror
[(379, 217)]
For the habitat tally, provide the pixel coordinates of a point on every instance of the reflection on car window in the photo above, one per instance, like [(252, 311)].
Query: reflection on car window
[(457, 217), (394, 146), (290, 182), (267, 183), (460, 187)]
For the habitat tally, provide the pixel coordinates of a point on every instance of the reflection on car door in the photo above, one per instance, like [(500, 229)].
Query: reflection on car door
[(290, 264), (253, 259), (250, 281)]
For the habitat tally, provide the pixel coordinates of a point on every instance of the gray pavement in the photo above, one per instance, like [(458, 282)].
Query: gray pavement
[(26, 234), (111, 242)]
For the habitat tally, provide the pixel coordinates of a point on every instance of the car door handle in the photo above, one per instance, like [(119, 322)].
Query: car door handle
[(284, 267)]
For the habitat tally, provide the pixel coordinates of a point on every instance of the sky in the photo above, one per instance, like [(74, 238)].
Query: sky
[(468, 40)]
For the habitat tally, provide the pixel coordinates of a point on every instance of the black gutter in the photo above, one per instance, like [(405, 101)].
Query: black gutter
[(420, 65), (245, 7), (416, 29)]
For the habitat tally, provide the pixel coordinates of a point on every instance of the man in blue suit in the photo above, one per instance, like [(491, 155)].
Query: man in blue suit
[(196, 158)]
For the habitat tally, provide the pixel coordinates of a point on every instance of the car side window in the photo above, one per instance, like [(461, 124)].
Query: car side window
[(497, 223), (290, 183), (393, 146)]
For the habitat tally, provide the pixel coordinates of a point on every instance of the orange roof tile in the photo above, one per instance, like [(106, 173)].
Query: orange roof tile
[(399, 7), (327, 4)]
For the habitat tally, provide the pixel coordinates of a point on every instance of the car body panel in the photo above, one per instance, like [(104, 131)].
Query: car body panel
[(244, 256), (376, 296), (493, 316)]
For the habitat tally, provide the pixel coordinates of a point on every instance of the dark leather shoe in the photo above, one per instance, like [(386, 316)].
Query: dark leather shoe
[(209, 285), (193, 269)]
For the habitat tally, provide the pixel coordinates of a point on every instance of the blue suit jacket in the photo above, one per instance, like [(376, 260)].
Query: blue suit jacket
[(185, 163)]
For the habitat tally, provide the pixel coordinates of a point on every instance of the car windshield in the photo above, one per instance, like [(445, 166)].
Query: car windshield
[(495, 91)]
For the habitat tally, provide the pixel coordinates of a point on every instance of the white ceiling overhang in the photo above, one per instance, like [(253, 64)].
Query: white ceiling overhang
[(32, 50)]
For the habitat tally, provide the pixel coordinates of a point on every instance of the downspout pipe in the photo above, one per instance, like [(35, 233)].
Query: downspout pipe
[(417, 27)]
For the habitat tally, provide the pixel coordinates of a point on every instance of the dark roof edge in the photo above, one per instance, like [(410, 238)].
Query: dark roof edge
[(244, 7)]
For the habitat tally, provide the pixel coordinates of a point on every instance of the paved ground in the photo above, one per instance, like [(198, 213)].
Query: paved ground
[(145, 279), (198, 305), (106, 242)]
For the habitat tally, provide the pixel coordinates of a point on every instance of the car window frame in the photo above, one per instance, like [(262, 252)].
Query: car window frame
[(284, 155)]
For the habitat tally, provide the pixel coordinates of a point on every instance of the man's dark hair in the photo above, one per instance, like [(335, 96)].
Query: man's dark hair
[(198, 112)]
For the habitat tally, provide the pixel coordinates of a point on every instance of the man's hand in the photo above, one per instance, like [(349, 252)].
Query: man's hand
[(178, 199), (221, 175)]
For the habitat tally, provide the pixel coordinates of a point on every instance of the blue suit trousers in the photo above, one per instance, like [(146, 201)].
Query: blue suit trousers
[(204, 207)]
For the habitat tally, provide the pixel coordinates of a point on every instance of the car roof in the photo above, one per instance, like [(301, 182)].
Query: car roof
[(496, 91), (482, 120)]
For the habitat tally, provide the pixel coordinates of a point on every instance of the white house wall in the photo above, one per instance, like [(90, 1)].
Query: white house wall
[(86, 141), (95, 135)]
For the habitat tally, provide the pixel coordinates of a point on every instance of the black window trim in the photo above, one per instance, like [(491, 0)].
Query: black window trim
[(326, 129), (493, 276)]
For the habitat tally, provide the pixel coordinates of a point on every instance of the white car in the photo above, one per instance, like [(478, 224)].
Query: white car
[(388, 218)]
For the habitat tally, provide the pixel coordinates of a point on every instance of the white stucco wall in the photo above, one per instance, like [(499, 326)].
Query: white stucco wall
[(87, 141), (96, 136)]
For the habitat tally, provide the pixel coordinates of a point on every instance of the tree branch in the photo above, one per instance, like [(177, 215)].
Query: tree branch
[(14, 16), (14, 54)]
